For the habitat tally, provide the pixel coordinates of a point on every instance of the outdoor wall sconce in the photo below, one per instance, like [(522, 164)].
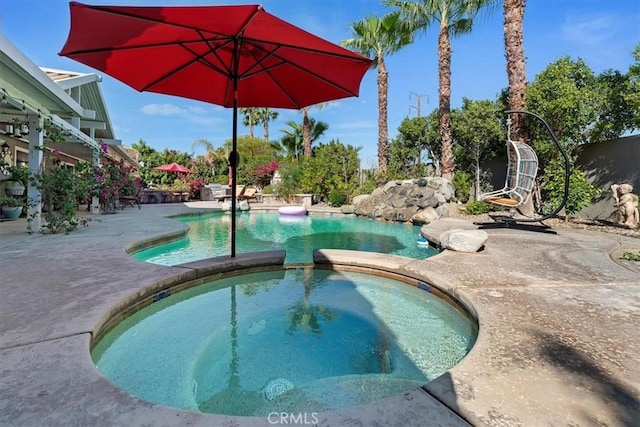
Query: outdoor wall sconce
[(4, 149)]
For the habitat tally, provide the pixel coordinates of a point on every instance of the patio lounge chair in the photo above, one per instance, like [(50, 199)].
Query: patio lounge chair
[(130, 200), (226, 196), (248, 194)]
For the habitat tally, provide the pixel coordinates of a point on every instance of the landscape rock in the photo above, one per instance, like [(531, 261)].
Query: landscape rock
[(406, 200), (360, 198), (243, 205), (460, 240), (347, 209), (425, 216)]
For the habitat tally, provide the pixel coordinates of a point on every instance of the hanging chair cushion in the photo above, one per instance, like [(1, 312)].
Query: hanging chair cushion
[(501, 200)]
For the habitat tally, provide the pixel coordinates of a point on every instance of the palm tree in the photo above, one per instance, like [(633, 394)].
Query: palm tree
[(250, 118), (377, 37), (514, 52), (292, 140), (213, 156), (264, 116), (455, 17), (306, 129)]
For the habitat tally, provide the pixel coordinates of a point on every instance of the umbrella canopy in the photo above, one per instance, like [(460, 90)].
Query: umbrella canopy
[(234, 56), (174, 167)]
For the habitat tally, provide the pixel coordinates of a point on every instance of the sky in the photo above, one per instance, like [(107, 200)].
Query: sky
[(601, 32)]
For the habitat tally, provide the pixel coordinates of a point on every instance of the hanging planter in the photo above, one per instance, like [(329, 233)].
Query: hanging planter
[(14, 188)]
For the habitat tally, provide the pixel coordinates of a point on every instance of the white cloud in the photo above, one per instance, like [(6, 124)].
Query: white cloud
[(196, 115), (197, 110), (589, 30), (331, 105), (166, 110)]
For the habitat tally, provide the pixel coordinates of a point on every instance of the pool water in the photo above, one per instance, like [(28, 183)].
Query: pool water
[(208, 237), (292, 340)]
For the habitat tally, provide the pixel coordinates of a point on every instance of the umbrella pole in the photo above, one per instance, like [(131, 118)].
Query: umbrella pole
[(233, 158), (234, 148)]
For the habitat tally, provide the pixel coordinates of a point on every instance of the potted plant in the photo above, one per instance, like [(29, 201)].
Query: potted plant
[(11, 206), (18, 180)]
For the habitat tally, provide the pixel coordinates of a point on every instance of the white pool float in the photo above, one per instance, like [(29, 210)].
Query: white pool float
[(292, 210)]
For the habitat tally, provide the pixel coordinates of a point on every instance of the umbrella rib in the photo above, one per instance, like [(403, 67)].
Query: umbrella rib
[(197, 58), (295, 65), (350, 55), (213, 49), (175, 70)]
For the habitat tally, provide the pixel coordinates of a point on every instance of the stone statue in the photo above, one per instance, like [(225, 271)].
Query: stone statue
[(627, 205)]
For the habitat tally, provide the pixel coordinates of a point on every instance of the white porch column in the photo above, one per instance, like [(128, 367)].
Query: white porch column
[(34, 197), (95, 202)]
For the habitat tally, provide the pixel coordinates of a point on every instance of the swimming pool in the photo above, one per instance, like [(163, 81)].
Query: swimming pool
[(208, 236), (291, 340)]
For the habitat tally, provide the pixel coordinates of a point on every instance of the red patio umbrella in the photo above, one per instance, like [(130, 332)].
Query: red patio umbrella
[(174, 167), (234, 56)]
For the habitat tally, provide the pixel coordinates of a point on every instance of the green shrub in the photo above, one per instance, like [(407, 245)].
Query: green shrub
[(630, 256), (476, 207), (267, 189), (462, 185), (337, 198), (291, 175), (581, 192)]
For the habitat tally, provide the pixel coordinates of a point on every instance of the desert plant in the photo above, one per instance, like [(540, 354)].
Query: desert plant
[(476, 207)]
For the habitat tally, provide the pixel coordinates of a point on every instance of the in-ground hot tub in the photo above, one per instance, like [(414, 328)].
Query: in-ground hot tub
[(293, 340)]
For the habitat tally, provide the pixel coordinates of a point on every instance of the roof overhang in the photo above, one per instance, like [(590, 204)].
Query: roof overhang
[(22, 80), (85, 88)]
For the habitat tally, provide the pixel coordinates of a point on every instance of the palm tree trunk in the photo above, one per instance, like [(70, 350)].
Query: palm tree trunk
[(444, 100), (306, 132), (516, 73), (383, 134), (266, 128), (514, 52), (251, 116)]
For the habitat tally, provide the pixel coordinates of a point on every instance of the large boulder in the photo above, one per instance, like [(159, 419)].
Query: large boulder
[(425, 216), (460, 240), (406, 200), (347, 209), (360, 198), (243, 205)]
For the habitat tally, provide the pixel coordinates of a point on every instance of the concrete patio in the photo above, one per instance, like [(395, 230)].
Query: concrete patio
[(558, 343)]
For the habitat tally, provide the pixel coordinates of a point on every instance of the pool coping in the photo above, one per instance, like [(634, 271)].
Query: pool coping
[(560, 287)]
